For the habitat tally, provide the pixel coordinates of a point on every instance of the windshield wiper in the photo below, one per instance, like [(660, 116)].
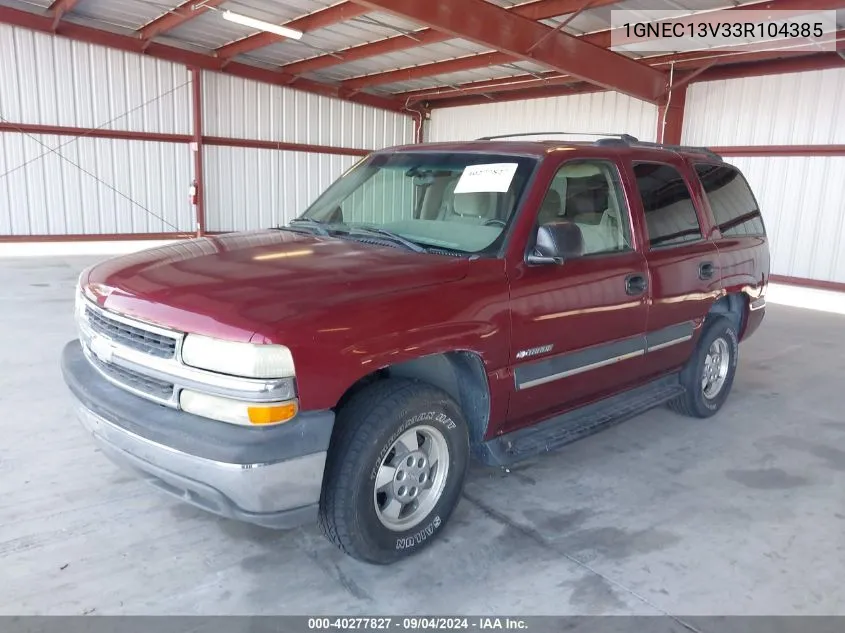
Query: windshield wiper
[(316, 225), (390, 235)]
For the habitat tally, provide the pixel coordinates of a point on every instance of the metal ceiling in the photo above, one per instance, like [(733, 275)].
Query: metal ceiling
[(393, 53)]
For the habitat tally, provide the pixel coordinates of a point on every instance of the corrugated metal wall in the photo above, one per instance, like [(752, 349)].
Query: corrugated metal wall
[(240, 108), (253, 188), (258, 188), (245, 191), (57, 185), (802, 197), (607, 112), (795, 109), (803, 203), (56, 81)]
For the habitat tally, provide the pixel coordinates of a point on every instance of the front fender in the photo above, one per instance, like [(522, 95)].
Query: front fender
[(342, 344)]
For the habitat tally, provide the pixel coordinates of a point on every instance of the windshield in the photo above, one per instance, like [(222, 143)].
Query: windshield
[(450, 201)]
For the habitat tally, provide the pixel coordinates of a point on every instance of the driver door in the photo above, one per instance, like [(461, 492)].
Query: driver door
[(579, 328)]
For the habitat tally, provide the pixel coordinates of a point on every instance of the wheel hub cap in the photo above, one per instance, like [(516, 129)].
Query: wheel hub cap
[(716, 365), (411, 478)]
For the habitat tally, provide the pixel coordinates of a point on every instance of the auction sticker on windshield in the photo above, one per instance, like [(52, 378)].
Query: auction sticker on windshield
[(486, 178)]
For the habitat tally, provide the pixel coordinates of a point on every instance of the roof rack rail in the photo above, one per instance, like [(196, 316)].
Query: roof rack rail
[(637, 143), (626, 137), (614, 139)]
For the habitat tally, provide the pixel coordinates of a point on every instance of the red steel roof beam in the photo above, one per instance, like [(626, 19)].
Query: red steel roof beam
[(792, 64), (489, 25), (519, 95), (537, 10), (428, 70), (43, 23), (757, 51), (599, 38), (696, 61), (58, 9), (756, 64), (178, 16), (311, 22), (486, 86)]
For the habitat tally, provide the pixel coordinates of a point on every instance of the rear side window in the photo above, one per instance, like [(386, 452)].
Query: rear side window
[(734, 207), (669, 212)]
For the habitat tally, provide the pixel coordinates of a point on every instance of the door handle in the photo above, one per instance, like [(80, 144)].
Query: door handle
[(706, 270), (635, 284)]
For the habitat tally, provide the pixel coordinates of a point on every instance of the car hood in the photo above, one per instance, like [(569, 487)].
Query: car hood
[(240, 286)]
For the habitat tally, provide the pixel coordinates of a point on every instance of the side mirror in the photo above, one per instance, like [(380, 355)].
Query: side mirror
[(556, 242)]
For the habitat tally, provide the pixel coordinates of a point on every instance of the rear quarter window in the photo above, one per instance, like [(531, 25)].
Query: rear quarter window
[(735, 210), (670, 215)]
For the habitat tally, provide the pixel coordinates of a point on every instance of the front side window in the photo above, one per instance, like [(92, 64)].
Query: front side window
[(669, 211), (589, 194), (734, 208), (460, 202)]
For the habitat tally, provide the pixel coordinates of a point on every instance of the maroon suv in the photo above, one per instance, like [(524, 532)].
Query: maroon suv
[(498, 298)]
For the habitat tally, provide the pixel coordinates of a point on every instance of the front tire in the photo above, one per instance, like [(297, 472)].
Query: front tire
[(395, 470), (708, 376)]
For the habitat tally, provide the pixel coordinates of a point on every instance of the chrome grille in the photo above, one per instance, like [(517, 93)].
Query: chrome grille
[(130, 336), (133, 381)]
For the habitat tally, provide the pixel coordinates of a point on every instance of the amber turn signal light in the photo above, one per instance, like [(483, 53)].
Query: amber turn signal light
[(272, 414)]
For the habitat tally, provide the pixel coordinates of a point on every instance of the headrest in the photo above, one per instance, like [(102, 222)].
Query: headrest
[(581, 203)]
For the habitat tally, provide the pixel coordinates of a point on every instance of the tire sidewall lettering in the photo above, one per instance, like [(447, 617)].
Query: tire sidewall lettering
[(734, 342), (420, 418), (419, 537)]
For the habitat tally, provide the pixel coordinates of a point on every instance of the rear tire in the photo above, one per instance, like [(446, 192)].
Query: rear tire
[(708, 376), (395, 470)]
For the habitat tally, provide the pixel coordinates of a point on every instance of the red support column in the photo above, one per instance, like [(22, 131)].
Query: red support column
[(670, 116), (196, 147)]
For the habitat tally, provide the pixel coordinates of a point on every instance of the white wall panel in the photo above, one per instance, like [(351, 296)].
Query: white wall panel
[(795, 109), (602, 112), (259, 188), (241, 108), (57, 81), (88, 185), (803, 205)]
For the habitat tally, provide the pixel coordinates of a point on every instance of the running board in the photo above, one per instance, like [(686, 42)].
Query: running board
[(574, 425)]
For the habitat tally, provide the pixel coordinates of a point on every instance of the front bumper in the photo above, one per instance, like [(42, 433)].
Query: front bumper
[(267, 476)]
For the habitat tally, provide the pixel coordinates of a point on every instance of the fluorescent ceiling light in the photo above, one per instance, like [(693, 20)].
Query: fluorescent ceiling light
[(261, 25)]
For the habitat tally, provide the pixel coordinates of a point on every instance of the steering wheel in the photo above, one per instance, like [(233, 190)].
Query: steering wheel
[(495, 223)]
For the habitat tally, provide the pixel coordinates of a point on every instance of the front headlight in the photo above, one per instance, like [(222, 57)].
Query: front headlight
[(237, 359)]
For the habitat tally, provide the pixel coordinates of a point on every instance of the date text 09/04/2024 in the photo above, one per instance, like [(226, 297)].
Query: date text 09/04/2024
[(417, 623)]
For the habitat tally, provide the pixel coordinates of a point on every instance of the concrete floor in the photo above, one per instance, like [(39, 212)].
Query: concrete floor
[(741, 514)]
